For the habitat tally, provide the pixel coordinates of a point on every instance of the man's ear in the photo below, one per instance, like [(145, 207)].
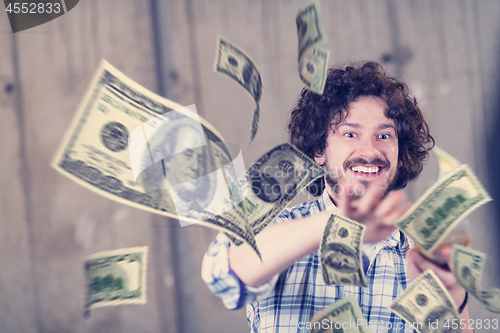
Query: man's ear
[(320, 158)]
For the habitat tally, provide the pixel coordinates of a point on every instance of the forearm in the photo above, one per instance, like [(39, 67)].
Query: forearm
[(458, 294), (280, 245), (464, 317)]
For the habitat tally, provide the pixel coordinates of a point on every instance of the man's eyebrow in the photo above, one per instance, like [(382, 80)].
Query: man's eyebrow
[(356, 125), (353, 125), (384, 126)]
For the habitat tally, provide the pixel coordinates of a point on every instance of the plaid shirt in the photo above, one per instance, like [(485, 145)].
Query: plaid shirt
[(289, 300)]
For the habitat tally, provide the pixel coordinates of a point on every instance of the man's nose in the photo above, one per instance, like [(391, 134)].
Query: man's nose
[(368, 149)]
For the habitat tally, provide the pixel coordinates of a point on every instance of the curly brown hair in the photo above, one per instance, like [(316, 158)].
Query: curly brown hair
[(314, 115)]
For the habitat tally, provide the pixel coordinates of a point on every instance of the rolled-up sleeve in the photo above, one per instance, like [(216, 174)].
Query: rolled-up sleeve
[(223, 282)]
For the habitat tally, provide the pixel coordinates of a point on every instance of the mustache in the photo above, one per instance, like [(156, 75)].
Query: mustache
[(360, 160)]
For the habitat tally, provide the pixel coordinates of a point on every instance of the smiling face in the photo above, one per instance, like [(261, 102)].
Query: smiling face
[(362, 150)]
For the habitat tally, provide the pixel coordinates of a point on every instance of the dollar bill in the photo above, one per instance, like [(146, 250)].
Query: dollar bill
[(235, 63), (313, 69), (458, 234), (270, 184), (116, 277), (342, 316), (340, 252), (273, 181), (467, 267), (96, 153), (313, 60), (427, 305), (310, 27), (441, 207)]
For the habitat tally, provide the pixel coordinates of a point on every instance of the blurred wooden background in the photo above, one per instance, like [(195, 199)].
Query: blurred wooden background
[(447, 52)]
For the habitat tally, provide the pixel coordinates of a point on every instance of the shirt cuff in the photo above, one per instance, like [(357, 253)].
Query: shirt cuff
[(223, 282)]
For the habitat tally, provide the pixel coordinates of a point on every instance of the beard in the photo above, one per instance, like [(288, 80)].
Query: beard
[(335, 181)]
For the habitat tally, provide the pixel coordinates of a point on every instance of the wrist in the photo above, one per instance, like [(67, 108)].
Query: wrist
[(457, 293), (464, 303)]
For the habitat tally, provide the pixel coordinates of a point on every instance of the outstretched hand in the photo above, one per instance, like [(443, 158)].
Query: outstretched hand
[(374, 211), (417, 264)]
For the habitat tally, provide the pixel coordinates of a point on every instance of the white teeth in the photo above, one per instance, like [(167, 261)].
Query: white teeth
[(364, 169)]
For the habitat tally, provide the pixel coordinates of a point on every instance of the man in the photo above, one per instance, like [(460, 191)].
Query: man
[(372, 138)]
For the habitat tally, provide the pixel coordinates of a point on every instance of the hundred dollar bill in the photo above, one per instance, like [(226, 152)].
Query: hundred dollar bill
[(270, 184), (235, 63), (273, 181), (96, 153), (313, 69), (467, 267), (116, 277), (340, 252), (310, 27), (344, 315), (313, 61), (427, 305), (458, 234), (441, 207)]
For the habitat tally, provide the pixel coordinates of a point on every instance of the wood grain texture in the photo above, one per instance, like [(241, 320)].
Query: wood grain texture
[(17, 278), (56, 61)]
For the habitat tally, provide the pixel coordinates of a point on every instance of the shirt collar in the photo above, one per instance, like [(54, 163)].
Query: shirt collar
[(327, 202)]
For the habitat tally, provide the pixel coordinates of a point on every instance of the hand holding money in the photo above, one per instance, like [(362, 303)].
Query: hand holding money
[(426, 305), (418, 263)]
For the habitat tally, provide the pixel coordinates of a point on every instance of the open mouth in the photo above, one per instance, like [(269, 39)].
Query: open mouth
[(366, 171)]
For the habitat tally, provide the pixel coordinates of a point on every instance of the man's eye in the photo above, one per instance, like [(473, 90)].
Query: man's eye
[(350, 135), (384, 136)]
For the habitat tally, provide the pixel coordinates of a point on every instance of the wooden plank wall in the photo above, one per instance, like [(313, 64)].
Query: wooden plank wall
[(445, 50)]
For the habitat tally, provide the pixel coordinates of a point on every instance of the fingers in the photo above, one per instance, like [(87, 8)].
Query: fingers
[(417, 264), (369, 201), (374, 211), (396, 214), (446, 253), (358, 209), (389, 205), (344, 204), (384, 210), (381, 233)]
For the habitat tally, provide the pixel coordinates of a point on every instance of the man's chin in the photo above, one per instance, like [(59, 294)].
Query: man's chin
[(354, 189), (357, 188)]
